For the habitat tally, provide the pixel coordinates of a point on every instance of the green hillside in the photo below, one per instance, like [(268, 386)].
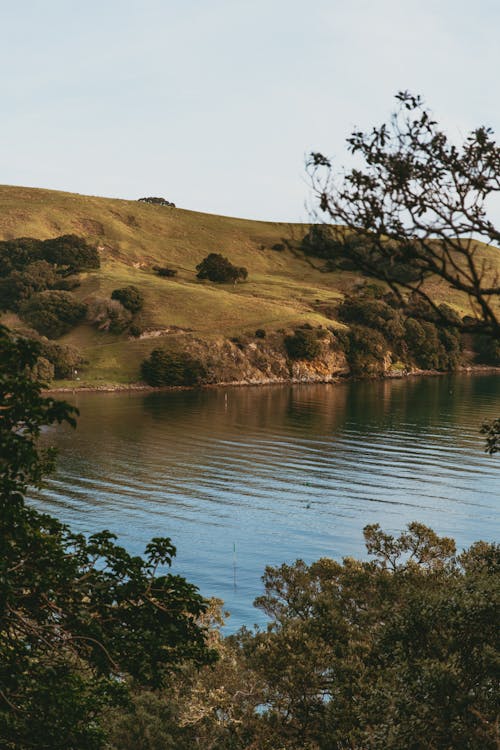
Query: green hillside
[(284, 288)]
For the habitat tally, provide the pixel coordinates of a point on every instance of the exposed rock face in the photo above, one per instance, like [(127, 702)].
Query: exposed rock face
[(265, 361)]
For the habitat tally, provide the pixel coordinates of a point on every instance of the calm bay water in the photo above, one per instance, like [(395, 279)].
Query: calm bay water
[(277, 473)]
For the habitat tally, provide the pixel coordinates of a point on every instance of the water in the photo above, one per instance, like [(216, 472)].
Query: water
[(277, 473)]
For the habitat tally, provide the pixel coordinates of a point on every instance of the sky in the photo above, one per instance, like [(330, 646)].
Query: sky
[(215, 105)]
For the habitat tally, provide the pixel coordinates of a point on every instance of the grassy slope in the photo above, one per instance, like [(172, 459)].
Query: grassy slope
[(282, 290)]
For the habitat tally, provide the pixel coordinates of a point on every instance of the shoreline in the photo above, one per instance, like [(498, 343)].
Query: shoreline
[(390, 375)]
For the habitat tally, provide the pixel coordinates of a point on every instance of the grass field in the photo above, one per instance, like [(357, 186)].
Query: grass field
[(283, 288)]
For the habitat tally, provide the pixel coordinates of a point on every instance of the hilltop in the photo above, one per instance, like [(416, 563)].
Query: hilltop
[(285, 288)]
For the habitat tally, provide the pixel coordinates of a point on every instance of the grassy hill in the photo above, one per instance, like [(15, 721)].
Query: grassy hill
[(283, 288)]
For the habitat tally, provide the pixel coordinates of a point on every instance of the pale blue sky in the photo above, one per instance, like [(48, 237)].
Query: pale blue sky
[(214, 105)]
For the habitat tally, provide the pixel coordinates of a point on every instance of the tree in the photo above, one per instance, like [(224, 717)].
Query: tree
[(18, 286), (157, 201), (417, 207), (71, 252), (303, 344), (398, 652), (164, 367), (219, 269), (80, 619), (131, 298), (53, 313)]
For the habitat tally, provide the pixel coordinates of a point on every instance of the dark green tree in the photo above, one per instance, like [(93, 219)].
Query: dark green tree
[(131, 298), (398, 652), (53, 313), (18, 286), (79, 618), (303, 344), (164, 367), (215, 267), (16, 254), (71, 252)]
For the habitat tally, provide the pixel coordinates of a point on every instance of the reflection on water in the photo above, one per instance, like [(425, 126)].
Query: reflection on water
[(279, 472)]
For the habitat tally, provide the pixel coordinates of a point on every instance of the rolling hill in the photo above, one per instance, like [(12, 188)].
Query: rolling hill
[(284, 288)]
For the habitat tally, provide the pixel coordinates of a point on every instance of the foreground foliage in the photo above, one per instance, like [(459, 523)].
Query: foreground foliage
[(80, 619), (398, 652)]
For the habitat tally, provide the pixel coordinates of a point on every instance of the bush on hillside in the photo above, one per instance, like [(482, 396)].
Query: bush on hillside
[(18, 286), (366, 311), (43, 370), (130, 297), (71, 252), (135, 330), (68, 283), (163, 367), (52, 313), (108, 315), (366, 350), (432, 348), (165, 271), (16, 254), (303, 344), (219, 269), (321, 242), (64, 359)]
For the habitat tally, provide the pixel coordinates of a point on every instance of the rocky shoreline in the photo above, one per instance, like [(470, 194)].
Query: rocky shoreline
[(331, 380)]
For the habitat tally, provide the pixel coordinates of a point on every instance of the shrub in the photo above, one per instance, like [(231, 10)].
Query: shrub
[(172, 368), (320, 242), (108, 315), (165, 271), (135, 330), (68, 284), (487, 349), (366, 349), (278, 246), (69, 251), (303, 344), (18, 253), (18, 286), (64, 359), (43, 370), (130, 297), (72, 252), (219, 269), (260, 333), (431, 347), (52, 313)]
